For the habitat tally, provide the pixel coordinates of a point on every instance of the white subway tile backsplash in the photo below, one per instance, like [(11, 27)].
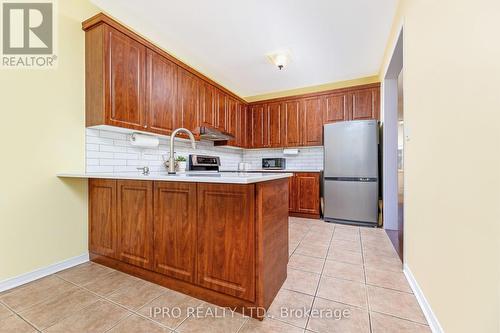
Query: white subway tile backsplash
[(116, 154), (99, 168), (99, 154), (92, 147), (99, 140), (112, 162), (112, 148)]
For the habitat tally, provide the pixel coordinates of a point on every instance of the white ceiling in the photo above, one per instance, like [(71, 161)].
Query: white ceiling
[(227, 40)]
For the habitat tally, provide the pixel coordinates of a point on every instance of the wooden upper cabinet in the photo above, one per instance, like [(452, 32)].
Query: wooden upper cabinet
[(242, 129), (187, 100), (161, 92), (135, 222), (231, 113), (259, 127), (125, 80), (220, 110), (312, 133), (276, 124), (102, 217), (365, 104), (175, 229), (226, 242), (207, 104), (336, 108), (292, 124)]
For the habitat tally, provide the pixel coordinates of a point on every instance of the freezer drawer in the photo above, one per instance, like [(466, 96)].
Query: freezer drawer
[(354, 201)]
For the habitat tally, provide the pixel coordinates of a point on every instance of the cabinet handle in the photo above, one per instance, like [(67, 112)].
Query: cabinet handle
[(145, 126)]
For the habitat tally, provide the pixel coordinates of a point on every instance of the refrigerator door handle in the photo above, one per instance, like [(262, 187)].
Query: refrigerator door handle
[(352, 179)]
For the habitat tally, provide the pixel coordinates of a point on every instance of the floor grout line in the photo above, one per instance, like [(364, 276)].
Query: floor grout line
[(14, 313)]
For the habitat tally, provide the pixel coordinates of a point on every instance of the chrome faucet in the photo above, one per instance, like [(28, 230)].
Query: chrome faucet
[(171, 160)]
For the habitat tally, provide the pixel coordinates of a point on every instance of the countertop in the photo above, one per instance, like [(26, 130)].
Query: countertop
[(276, 171), (192, 176)]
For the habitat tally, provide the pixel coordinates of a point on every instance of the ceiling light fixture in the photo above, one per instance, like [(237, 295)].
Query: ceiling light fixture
[(279, 59)]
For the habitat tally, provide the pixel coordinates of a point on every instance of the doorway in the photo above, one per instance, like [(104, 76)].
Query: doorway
[(393, 148)]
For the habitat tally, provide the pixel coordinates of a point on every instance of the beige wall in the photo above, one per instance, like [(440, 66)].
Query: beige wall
[(43, 219), (452, 160)]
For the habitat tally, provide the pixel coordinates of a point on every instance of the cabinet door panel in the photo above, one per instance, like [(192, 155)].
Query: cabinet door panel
[(207, 104), (175, 229), (226, 239), (135, 222), (221, 107), (102, 217), (336, 108), (365, 104), (232, 107), (161, 93), (307, 185), (125, 80), (259, 126), (312, 134), (187, 111), (276, 124), (292, 123)]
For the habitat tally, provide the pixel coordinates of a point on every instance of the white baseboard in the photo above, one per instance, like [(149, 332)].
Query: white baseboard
[(42, 272), (424, 305)]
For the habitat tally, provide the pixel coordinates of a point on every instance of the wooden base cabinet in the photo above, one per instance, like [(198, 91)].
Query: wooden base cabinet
[(224, 243), (175, 229), (134, 216), (226, 264), (304, 200)]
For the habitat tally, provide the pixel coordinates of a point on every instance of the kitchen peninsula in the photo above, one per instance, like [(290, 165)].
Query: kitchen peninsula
[(219, 237)]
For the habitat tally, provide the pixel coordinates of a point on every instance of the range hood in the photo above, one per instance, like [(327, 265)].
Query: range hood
[(213, 134)]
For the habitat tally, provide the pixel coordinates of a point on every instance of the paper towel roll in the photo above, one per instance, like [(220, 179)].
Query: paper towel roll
[(142, 140)]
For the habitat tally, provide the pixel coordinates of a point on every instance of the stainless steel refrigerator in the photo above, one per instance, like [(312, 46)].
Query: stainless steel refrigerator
[(350, 185)]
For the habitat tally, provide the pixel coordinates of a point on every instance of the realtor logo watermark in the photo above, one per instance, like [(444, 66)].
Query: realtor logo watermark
[(28, 34)]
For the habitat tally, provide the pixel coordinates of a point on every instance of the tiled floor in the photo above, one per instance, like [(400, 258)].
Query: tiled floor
[(340, 279)]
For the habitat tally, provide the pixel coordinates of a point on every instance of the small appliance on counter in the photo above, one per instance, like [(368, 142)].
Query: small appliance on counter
[(203, 163), (274, 163)]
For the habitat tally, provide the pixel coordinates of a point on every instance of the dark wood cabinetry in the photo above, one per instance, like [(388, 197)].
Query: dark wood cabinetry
[(102, 217), (275, 124), (220, 110), (133, 84), (224, 243), (312, 120), (336, 108), (259, 129), (175, 229), (226, 264), (116, 79), (134, 218), (304, 196), (365, 104), (187, 105), (207, 104), (161, 104)]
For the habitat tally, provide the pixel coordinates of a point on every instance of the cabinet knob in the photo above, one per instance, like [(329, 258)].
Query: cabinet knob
[(145, 126)]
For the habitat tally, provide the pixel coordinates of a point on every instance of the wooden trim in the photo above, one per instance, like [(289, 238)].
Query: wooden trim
[(102, 18), (317, 94), (303, 215)]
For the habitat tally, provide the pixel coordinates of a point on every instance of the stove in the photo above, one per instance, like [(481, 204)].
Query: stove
[(203, 163)]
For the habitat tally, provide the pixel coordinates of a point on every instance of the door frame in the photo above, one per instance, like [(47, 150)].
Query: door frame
[(389, 118)]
